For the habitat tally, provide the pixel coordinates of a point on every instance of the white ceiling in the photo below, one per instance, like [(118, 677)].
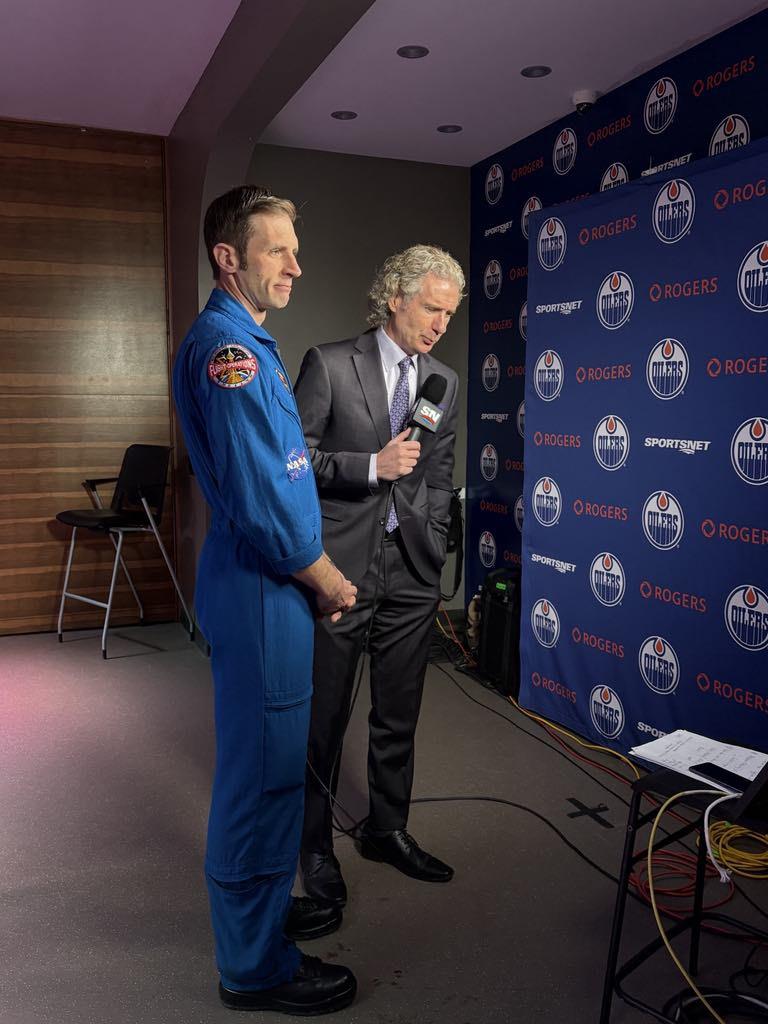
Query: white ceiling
[(472, 74)]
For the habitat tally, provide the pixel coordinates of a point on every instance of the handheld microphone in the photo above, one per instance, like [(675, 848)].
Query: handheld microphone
[(426, 413)]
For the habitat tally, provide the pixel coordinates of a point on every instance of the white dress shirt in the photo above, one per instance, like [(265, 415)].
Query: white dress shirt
[(391, 355)]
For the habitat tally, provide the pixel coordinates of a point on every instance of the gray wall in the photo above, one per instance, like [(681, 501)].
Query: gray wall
[(356, 211)]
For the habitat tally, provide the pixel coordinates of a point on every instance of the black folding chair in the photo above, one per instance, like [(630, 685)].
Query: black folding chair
[(136, 507)]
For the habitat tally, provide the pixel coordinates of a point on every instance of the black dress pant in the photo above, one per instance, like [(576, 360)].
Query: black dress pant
[(405, 607)]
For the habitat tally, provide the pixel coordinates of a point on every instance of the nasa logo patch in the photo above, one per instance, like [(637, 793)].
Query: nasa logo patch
[(232, 366), (297, 464)]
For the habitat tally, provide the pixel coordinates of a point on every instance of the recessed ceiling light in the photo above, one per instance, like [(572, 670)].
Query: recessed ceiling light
[(449, 129), (412, 52), (344, 115), (536, 71)]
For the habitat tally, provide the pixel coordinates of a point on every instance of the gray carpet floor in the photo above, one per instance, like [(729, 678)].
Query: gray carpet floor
[(105, 773)]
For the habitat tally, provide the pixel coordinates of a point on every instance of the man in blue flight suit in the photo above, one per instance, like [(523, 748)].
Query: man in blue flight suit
[(260, 564)]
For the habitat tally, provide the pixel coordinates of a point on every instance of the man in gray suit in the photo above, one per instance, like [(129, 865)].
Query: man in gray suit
[(385, 505)]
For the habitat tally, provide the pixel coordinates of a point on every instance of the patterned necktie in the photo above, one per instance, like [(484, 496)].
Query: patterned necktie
[(398, 415)]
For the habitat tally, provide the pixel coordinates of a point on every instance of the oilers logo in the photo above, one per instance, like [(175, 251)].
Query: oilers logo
[(494, 184), (610, 442), (749, 450), (658, 665), (615, 299), (547, 501), (520, 419), (731, 133), (663, 520), (746, 616), (489, 462), (614, 176), (545, 622), (522, 322), (530, 206), (487, 549), (667, 369), (660, 106), (518, 513), (753, 278), (564, 152), (492, 279), (606, 711), (491, 372), (607, 579), (548, 375), (552, 243), (673, 211)]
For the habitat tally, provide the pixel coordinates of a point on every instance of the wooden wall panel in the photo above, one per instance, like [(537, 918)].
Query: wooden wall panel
[(83, 361)]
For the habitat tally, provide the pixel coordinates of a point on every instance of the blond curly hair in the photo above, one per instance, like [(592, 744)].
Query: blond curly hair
[(402, 274)]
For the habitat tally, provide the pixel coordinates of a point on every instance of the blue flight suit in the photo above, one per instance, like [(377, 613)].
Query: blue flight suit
[(245, 440)]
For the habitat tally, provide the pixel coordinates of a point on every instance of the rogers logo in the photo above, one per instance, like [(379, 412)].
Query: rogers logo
[(738, 367), (609, 130), (557, 440), (666, 595), (757, 535), (597, 643), (739, 194), (489, 326), (723, 76), (553, 686), (609, 230), (660, 291), (600, 510), (727, 691), (593, 374), (516, 273)]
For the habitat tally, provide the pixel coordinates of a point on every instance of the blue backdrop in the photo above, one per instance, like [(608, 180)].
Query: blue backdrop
[(642, 397)]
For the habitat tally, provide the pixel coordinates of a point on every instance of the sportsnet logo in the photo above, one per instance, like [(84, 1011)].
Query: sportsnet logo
[(606, 711), (545, 622), (749, 450), (731, 133), (564, 152), (489, 462), (753, 278), (517, 513), (547, 501), (553, 563), (666, 371), (746, 617), (673, 211), (491, 372), (551, 243), (658, 665), (668, 165), (607, 579), (487, 549), (615, 175), (520, 419), (498, 229), (548, 375), (615, 299), (566, 308), (522, 321), (492, 279), (530, 206), (660, 106), (610, 443), (494, 184), (678, 444), (663, 520)]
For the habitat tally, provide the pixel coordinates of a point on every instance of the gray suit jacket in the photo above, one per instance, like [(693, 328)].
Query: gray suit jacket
[(342, 399)]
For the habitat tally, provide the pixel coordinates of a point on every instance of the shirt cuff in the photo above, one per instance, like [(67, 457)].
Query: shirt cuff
[(373, 479), (299, 560)]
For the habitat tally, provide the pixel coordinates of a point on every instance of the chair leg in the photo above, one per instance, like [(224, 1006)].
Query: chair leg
[(66, 583), (115, 567), (153, 524), (124, 567)]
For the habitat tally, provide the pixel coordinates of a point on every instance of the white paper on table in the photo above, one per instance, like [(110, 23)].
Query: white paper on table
[(681, 749)]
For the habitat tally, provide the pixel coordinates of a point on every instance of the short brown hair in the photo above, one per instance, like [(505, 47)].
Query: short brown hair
[(227, 219)]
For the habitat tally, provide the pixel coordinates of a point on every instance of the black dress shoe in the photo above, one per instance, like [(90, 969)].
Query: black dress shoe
[(322, 878), (403, 852), (314, 989), (308, 919)]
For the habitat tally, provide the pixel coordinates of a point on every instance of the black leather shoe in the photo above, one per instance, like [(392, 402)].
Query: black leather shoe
[(314, 989), (322, 878), (308, 919), (403, 852)]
